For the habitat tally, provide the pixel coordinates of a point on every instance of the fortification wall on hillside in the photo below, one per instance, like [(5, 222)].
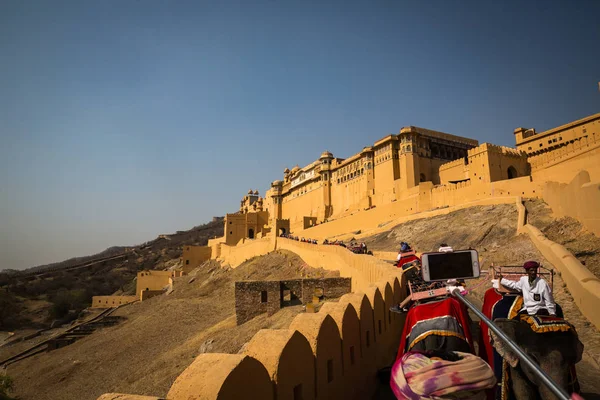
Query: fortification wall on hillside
[(193, 256), (235, 255), (580, 199), (152, 280), (111, 301), (334, 353)]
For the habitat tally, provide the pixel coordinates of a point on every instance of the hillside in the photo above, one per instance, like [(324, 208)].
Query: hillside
[(160, 336), (36, 297), (491, 230)]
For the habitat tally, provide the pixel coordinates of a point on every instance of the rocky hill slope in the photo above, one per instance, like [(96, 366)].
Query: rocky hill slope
[(159, 337), (34, 298)]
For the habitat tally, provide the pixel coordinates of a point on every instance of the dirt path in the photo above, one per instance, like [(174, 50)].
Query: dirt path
[(492, 231)]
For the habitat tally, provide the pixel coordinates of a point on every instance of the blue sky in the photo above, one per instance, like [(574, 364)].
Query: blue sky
[(121, 120)]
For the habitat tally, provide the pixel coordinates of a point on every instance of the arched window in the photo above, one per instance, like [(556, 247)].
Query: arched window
[(251, 233), (512, 172), (422, 178)]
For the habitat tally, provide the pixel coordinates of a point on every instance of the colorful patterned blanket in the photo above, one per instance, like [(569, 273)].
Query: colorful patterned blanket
[(545, 324), (446, 317), (420, 375)]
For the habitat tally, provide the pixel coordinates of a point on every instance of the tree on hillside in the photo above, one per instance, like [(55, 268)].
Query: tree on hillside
[(65, 300), (6, 386), (9, 310)]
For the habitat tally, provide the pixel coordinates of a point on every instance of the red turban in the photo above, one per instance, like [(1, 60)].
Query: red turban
[(531, 264)]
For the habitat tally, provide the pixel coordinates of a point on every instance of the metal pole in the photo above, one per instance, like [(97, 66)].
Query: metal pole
[(558, 391)]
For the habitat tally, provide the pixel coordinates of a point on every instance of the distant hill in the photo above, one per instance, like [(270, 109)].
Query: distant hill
[(197, 235), (111, 251), (70, 284)]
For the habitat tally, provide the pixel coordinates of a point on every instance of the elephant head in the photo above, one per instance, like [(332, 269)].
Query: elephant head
[(554, 352)]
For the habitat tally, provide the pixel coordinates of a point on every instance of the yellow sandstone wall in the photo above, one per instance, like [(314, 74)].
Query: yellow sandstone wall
[(152, 280), (579, 199), (351, 195), (193, 256), (569, 162), (308, 204), (235, 255), (111, 301)]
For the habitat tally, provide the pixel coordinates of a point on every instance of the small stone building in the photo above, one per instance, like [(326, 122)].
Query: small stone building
[(253, 298)]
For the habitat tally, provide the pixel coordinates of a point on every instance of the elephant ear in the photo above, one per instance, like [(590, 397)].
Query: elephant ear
[(508, 327)]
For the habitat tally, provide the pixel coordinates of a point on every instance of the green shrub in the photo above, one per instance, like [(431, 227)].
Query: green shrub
[(6, 386)]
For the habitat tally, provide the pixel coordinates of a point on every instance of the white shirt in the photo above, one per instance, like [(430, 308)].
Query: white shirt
[(534, 298)]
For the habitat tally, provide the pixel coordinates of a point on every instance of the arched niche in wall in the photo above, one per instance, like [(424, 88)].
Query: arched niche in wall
[(323, 335), (289, 360), (222, 377)]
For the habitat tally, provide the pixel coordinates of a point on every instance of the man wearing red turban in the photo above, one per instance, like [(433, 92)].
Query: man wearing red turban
[(537, 296)]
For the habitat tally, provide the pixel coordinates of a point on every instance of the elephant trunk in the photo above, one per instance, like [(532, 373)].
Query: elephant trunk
[(559, 372)]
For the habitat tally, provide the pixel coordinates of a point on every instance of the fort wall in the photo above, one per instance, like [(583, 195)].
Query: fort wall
[(111, 301), (235, 255), (567, 164), (193, 256), (582, 284), (580, 199), (152, 280)]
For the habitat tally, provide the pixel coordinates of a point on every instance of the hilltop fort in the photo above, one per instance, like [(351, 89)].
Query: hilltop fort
[(414, 171), (418, 173)]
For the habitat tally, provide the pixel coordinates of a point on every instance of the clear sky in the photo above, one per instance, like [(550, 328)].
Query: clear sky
[(121, 120)]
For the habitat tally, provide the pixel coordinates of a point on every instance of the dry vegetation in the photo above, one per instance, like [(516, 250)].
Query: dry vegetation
[(491, 230), (34, 302), (160, 337)]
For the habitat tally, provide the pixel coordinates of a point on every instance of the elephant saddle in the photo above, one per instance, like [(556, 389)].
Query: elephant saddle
[(545, 324), (443, 318)]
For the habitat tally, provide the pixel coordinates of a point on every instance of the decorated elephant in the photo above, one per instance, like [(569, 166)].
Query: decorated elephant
[(555, 338), (551, 342)]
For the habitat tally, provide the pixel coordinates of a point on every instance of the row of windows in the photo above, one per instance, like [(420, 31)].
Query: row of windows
[(550, 141), (352, 167), (353, 175), (383, 149)]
